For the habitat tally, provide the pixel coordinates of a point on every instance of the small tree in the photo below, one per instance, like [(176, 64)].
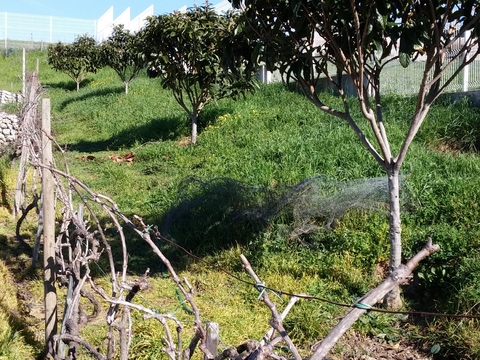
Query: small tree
[(354, 40), (76, 59), (121, 52), (186, 50)]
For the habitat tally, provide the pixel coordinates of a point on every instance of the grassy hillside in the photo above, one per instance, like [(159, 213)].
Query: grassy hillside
[(250, 154)]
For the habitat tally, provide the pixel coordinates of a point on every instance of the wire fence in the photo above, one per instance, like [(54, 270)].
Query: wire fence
[(278, 292), (396, 79), (35, 32), (405, 81)]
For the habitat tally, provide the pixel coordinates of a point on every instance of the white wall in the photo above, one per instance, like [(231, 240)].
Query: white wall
[(104, 25), (123, 18), (106, 22), (223, 6), (140, 20)]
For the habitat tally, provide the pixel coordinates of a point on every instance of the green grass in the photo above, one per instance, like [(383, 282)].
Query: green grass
[(249, 152), (13, 330)]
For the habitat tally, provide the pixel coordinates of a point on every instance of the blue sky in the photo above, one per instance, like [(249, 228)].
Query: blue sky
[(92, 9)]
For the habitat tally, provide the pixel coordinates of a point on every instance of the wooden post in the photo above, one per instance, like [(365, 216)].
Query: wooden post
[(24, 65), (212, 338), (48, 232)]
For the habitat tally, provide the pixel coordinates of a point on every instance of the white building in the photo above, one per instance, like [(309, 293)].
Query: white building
[(107, 21)]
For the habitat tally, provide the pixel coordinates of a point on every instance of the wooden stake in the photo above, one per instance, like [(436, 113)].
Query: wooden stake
[(212, 338), (48, 232), (24, 62)]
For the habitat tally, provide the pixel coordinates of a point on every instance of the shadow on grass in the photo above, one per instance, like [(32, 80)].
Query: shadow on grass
[(10, 249), (68, 86), (210, 114), (11, 254), (159, 129), (91, 94), (214, 214), (20, 326), (169, 128), (208, 217)]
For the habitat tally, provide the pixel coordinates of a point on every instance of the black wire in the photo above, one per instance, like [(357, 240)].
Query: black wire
[(316, 298)]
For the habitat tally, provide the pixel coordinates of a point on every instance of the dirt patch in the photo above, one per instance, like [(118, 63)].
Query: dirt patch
[(184, 142), (355, 346)]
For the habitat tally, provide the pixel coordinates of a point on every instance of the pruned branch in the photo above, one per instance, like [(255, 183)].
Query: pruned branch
[(276, 321), (267, 338), (399, 277), (84, 343)]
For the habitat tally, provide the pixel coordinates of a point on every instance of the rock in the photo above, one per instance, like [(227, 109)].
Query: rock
[(8, 128)]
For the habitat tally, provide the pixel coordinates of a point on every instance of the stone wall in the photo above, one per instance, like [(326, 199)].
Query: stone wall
[(8, 128), (9, 97), (8, 122)]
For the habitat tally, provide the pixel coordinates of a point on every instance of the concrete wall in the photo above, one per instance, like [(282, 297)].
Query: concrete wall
[(123, 18), (223, 6), (140, 20)]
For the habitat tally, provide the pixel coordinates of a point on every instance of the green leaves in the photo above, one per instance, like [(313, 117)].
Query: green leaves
[(359, 33), (121, 51), (76, 59), (404, 59), (190, 55)]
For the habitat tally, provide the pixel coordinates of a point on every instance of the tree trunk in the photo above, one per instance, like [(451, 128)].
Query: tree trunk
[(126, 87), (392, 299), (78, 84), (194, 118)]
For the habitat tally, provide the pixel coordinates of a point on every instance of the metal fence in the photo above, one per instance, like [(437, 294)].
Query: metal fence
[(19, 31), (35, 31), (399, 80), (395, 79)]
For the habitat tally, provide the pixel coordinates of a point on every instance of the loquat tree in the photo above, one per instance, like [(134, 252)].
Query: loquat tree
[(338, 40), (187, 52), (76, 59), (122, 53)]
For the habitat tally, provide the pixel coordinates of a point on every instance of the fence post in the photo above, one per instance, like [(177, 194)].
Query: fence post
[(51, 30), (6, 34), (23, 74), (264, 75), (466, 69), (48, 232), (212, 338)]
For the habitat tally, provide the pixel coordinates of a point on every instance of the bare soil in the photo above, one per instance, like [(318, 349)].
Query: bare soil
[(355, 346)]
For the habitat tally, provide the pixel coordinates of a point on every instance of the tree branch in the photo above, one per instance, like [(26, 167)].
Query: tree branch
[(398, 277), (276, 320)]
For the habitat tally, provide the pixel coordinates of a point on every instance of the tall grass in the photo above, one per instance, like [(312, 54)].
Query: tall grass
[(12, 327), (257, 146)]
